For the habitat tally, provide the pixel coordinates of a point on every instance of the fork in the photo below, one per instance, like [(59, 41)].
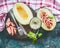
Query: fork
[(20, 28)]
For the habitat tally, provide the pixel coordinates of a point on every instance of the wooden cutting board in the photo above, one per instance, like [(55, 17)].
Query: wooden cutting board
[(26, 27)]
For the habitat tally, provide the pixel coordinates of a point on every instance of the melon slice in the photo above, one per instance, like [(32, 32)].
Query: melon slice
[(22, 13), (35, 23), (47, 18)]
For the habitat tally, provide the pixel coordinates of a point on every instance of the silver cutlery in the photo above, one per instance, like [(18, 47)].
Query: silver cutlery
[(20, 28)]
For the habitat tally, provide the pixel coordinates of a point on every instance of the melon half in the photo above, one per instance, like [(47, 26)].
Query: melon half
[(22, 13), (47, 18)]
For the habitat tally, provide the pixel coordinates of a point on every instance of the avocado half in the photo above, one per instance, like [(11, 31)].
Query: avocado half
[(50, 15), (22, 13)]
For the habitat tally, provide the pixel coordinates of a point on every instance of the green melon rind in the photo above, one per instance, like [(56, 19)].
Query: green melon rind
[(51, 15)]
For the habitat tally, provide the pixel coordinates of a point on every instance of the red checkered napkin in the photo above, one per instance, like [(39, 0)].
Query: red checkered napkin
[(6, 5)]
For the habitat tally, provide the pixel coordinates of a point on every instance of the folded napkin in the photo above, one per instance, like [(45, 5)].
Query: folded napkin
[(6, 5)]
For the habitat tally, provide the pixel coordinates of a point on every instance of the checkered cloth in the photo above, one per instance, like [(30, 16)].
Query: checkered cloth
[(6, 5)]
